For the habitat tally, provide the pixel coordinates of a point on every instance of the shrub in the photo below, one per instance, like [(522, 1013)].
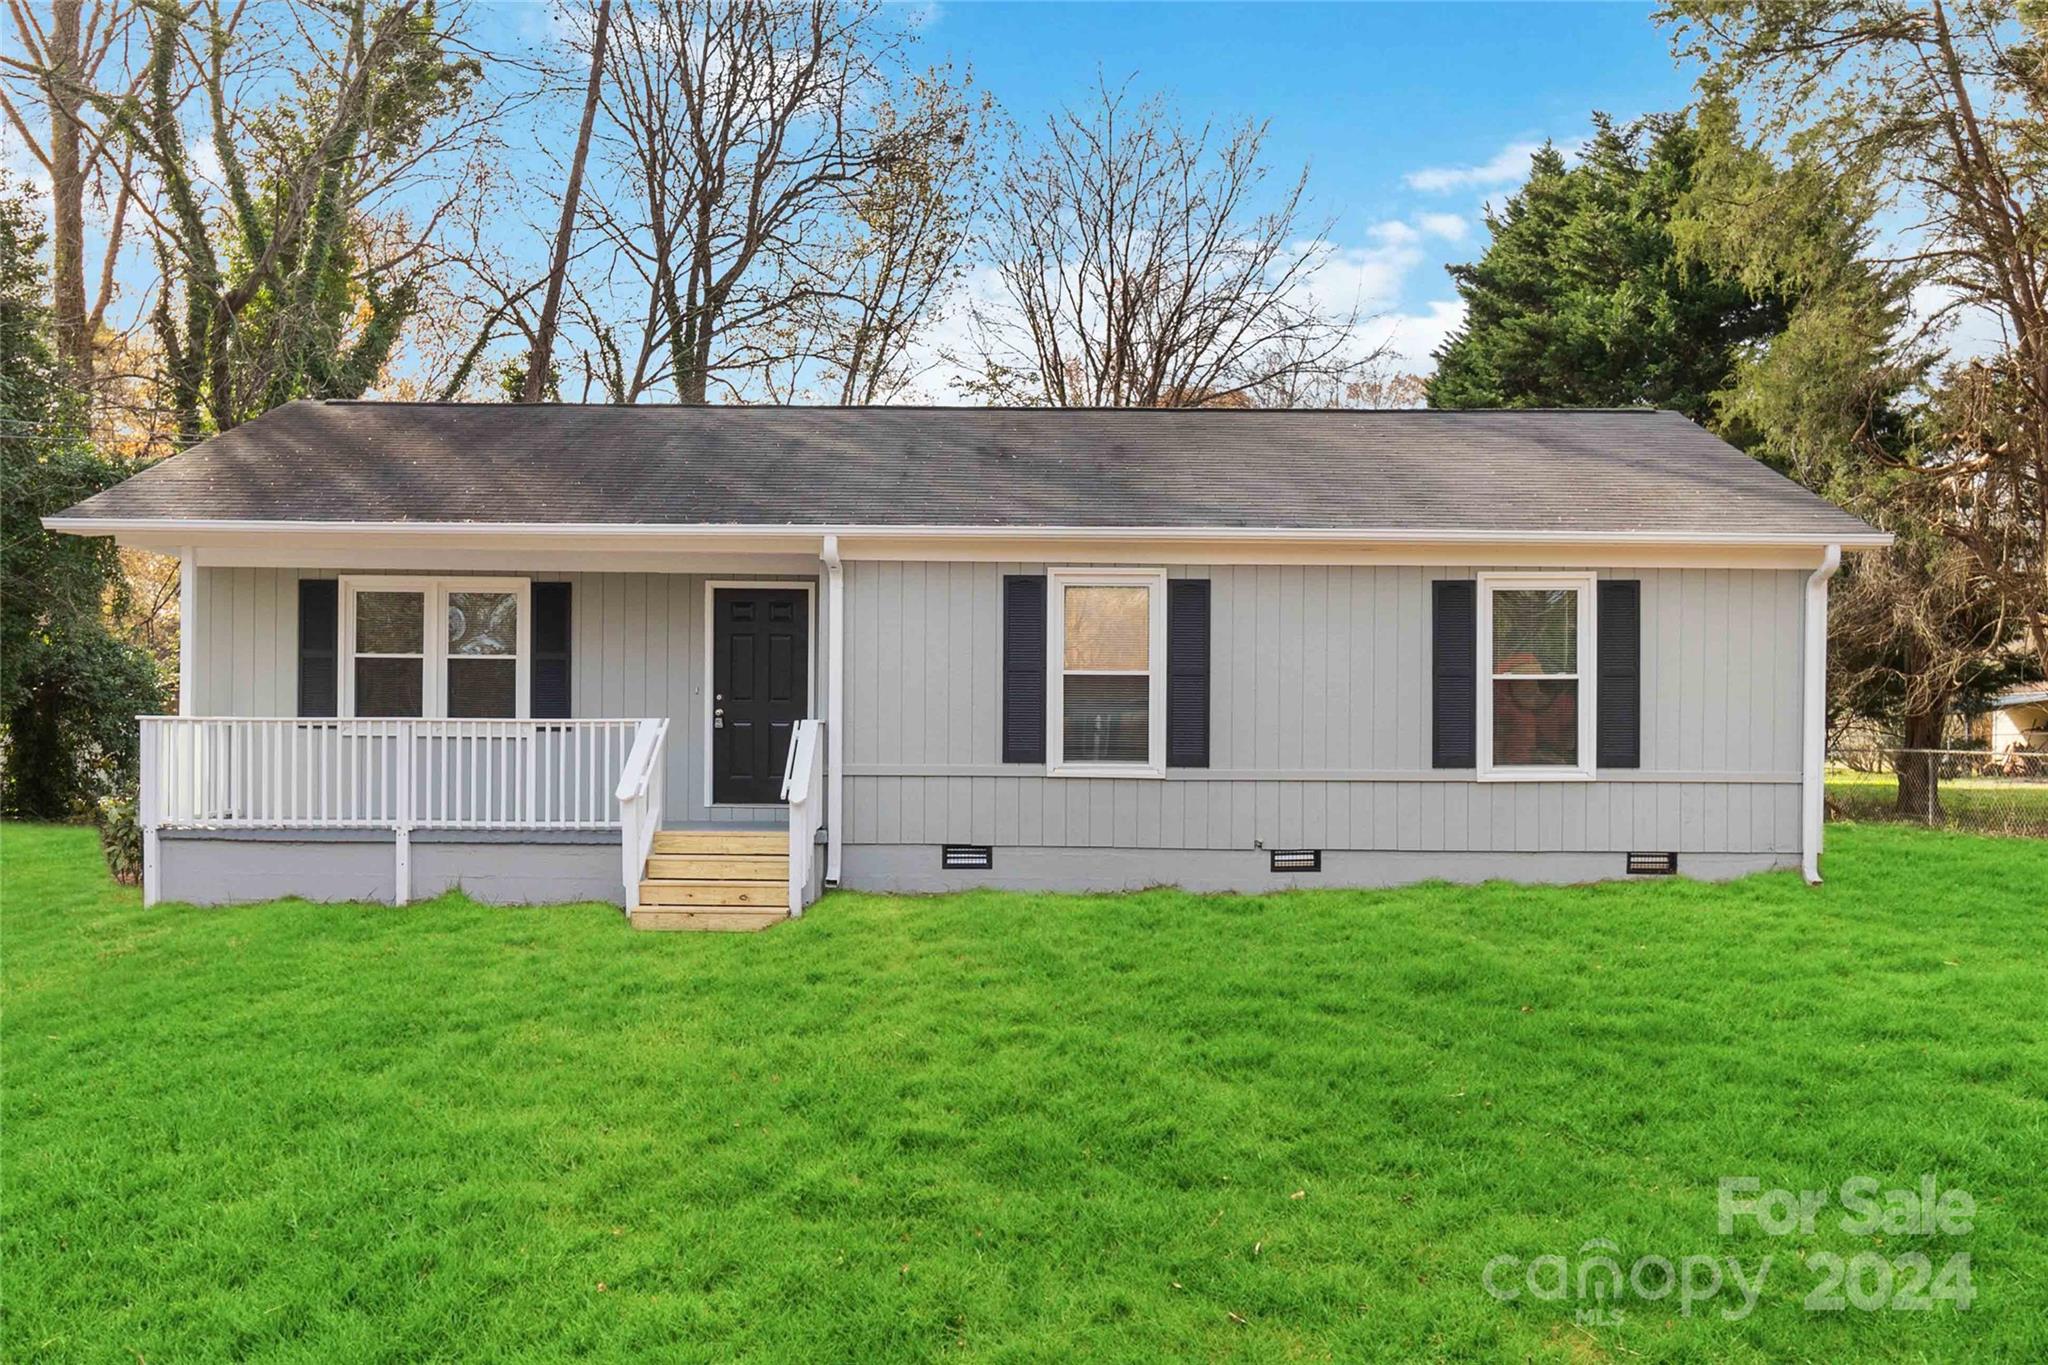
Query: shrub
[(121, 837)]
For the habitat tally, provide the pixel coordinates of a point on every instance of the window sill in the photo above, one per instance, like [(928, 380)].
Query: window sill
[(1143, 770), (1537, 775)]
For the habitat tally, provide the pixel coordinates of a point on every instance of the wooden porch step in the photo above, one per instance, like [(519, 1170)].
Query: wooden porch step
[(745, 842), (765, 895), (715, 867), (706, 918)]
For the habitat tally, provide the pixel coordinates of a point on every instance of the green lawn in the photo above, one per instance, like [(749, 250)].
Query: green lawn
[(1978, 805), (1010, 1127)]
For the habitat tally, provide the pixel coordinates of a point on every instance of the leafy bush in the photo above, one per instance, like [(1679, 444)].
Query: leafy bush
[(121, 837)]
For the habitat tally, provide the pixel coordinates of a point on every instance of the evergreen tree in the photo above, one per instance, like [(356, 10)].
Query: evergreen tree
[(1584, 299), (69, 690)]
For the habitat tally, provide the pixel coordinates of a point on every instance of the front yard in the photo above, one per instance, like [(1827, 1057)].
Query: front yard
[(1014, 1127)]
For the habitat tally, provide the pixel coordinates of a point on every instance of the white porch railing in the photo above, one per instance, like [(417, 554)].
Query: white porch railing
[(641, 789), (803, 787), (220, 772)]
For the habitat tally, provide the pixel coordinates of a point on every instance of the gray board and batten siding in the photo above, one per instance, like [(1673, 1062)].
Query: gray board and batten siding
[(1320, 738), (636, 650), (1320, 727)]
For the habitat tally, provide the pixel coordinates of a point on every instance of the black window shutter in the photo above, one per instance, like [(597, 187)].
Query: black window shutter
[(1187, 673), (1454, 674), (1023, 668), (1620, 700), (548, 689), (319, 646)]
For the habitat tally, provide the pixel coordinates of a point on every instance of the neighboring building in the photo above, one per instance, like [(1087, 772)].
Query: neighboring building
[(2017, 721), (554, 652)]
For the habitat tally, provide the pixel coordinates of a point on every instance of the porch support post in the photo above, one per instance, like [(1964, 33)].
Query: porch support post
[(188, 629), (401, 888), (147, 815), (1814, 738), (835, 707)]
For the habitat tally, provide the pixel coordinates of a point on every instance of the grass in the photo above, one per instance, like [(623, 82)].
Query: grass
[(1009, 1127), (1982, 805)]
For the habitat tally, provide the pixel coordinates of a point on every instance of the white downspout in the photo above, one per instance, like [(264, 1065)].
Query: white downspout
[(1812, 784), (835, 707)]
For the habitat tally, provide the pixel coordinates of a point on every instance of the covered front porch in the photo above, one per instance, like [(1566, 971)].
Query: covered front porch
[(537, 722), (512, 811)]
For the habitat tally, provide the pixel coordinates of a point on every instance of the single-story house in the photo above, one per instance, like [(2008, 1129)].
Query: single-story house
[(708, 661)]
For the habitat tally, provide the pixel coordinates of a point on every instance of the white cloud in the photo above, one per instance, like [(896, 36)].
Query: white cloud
[(1966, 333), (18, 161), (204, 159), (1508, 165), (1369, 278), (1411, 338), (1448, 226)]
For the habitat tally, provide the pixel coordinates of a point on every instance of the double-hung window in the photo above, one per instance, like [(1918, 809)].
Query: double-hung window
[(1536, 704), (435, 647), (1107, 690)]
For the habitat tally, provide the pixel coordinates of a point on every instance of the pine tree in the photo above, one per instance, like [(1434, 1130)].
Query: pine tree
[(1584, 299)]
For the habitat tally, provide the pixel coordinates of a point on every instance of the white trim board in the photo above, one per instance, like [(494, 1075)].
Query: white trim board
[(727, 530), (551, 556), (548, 559), (591, 545)]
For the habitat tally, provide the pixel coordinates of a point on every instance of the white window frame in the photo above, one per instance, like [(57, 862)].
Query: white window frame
[(1586, 585), (1057, 582), (434, 593)]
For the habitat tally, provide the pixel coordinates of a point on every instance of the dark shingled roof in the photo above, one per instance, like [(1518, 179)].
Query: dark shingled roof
[(1536, 471)]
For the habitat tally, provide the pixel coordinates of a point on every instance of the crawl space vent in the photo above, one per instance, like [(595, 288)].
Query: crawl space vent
[(967, 857), (1297, 860), (1652, 864)]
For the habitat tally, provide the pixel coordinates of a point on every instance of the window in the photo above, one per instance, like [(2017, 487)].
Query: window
[(1536, 676), (453, 647), (1107, 690), (390, 654), (483, 654)]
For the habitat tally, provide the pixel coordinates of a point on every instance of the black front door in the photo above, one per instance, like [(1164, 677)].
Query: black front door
[(760, 688)]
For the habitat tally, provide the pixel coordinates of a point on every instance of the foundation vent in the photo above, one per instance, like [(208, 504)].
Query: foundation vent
[(967, 857)]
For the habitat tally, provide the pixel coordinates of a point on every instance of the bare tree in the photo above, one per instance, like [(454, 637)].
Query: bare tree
[(283, 280), (1137, 271), (540, 355), (1942, 108), (899, 254), (57, 66), (735, 132), (1911, 633)]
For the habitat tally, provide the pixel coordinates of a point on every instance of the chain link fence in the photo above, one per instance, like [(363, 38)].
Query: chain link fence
[(1961, 789)]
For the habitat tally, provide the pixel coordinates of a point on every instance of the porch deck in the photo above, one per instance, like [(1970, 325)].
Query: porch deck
[(520, 809)]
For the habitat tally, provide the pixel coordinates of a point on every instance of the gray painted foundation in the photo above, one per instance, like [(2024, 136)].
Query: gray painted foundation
[(915, 867), (218, 868)]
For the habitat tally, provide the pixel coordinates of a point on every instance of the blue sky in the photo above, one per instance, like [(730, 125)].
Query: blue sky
[(1409, 116)]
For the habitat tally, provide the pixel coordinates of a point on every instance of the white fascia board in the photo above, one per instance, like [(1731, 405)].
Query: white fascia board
[(649, 535)]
